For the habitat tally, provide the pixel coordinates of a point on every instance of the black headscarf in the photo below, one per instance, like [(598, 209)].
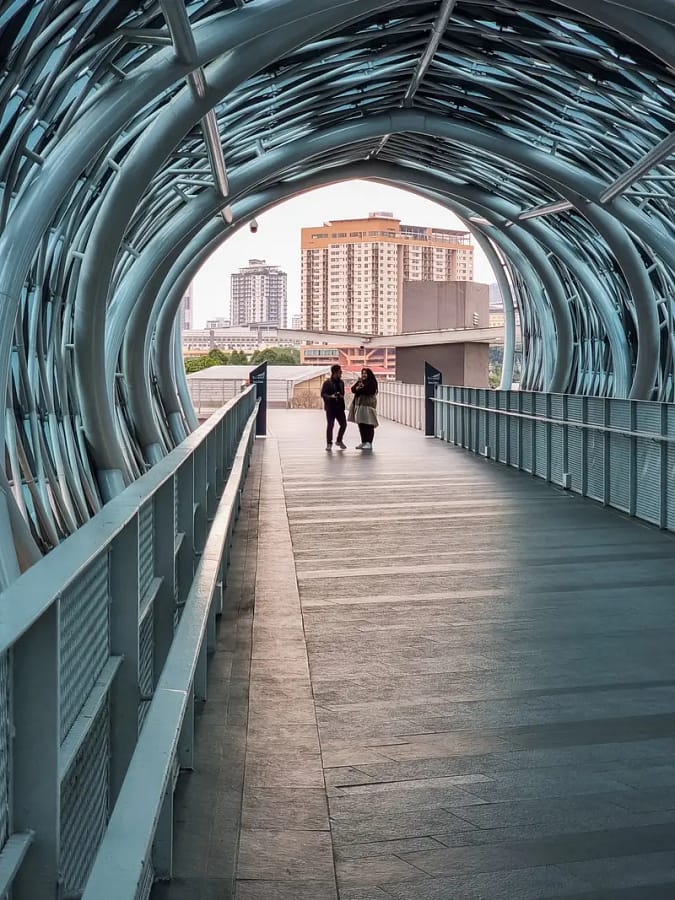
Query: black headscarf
[(370, 382)]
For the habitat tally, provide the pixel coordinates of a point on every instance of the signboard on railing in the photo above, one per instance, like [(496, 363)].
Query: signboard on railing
[(258, 377), (432, 378)]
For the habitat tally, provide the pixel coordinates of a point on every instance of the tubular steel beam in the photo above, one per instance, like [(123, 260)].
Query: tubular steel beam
[(423, 63), (546, 210), (655, 157), (578, 188), (426, 58), (180, 29)]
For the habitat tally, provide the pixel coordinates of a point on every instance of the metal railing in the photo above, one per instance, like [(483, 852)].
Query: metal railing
[(618, 452), (402, 403), (103, 647)]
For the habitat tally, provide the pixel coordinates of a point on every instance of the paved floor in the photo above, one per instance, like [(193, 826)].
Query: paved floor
[(462, 686)]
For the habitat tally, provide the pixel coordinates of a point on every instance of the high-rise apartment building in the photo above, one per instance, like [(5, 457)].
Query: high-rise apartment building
[(187, 310), (353, 270), (259, 295)]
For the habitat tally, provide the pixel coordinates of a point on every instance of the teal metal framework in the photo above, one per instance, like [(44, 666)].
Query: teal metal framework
[(137, 136), (103, 651)]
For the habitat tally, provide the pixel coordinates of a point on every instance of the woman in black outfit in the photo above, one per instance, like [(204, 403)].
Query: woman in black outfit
[(363, 408)]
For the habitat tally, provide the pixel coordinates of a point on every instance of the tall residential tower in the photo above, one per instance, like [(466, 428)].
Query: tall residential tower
[(187, 310), (353, 270), (259, 295)]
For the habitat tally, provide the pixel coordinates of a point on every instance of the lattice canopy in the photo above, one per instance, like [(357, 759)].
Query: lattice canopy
[(136, 136)]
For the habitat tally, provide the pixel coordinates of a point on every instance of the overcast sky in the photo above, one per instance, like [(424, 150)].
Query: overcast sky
[(278, 238)]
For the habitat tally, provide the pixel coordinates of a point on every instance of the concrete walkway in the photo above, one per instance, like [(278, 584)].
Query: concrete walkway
[(462, 686)]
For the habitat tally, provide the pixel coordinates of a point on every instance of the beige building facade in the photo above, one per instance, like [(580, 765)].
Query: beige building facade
[(353, 270)]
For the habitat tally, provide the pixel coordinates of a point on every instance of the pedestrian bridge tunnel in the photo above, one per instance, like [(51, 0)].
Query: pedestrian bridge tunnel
[(135, 137)]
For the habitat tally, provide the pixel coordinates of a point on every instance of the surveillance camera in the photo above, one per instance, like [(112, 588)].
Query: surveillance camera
[(253, 225)]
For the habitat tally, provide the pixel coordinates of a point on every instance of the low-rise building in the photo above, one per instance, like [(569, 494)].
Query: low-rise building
[(382, 360), (248, 338), (290, 387)]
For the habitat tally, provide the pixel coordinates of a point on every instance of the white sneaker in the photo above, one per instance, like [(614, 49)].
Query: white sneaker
[(367, 446)]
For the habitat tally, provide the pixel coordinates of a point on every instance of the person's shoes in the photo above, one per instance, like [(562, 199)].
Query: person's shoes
[(329, 447), (359, 446), (367, 446), (341, 445)]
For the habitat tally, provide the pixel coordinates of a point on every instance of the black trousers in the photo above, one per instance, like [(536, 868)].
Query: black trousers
[(333, 416), (367, 433)]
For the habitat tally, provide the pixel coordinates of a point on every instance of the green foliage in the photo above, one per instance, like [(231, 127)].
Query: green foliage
[(496, 362), (219, 356), (496, 355), (277, 356), (238, 358), (214, 357), (197, 363)]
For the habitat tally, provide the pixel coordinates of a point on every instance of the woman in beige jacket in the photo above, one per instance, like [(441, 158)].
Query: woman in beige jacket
[(363, 408)]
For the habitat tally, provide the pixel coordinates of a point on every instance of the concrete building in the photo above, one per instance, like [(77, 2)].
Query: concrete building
[(382, 360), (187, 310), (259, 295), (353, 270), (218, 323), (432, 305), (296, 321), (245, 337)]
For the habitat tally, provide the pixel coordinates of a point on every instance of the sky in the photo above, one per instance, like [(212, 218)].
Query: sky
[(278, 238)]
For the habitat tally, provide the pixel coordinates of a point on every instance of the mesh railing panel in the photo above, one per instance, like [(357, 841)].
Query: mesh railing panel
[(619, 452), (145, 664), (648, 464), (84, 636), (175, 504), (146, 547), (84, 804), (5, 748)]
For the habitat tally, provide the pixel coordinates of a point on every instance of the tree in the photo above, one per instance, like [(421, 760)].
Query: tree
[(214, 357), (496, 362), (219, 356), (277, 356), (238, 358)]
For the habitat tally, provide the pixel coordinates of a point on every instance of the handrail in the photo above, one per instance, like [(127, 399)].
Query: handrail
[(126, 848), (26, 599), (614, 451), (545, 420), (91, 628)]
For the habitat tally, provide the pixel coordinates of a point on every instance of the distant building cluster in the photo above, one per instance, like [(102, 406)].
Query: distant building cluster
[(371, 276), (353, 270)]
